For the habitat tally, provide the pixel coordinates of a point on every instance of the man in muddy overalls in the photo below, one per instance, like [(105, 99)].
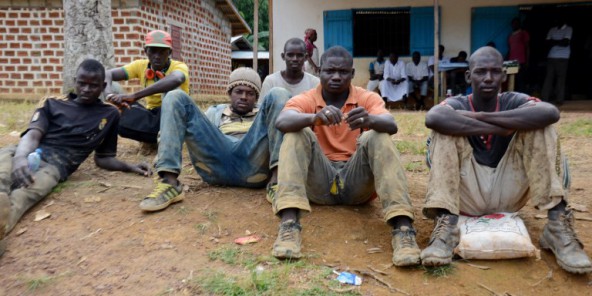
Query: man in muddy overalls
[(492, 152)]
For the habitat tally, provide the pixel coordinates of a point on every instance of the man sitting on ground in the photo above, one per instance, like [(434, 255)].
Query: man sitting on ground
[(293, 78), (67, 130), (158, 75), (338, 150), (492, 152), (232, 144)]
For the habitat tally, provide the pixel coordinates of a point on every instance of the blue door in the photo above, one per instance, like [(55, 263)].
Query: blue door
[(338, 27), (422, 30), (492, 24)]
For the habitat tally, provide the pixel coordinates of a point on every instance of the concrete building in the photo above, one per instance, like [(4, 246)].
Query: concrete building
[(409, 25)]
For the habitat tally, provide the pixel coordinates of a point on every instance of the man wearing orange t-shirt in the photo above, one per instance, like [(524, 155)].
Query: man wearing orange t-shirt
[(324, 128)]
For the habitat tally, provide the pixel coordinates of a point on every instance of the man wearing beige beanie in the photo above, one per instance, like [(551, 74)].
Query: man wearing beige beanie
[(233, 144)]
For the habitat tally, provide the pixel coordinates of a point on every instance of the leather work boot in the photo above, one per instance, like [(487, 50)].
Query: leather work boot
[(560, 237), (444, 239), (287, 244), (405, 249)]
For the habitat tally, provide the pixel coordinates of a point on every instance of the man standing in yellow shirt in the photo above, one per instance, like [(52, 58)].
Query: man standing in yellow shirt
[(158, 74)]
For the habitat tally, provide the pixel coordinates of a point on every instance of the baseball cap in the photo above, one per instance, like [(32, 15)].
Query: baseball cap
[(158, 38)]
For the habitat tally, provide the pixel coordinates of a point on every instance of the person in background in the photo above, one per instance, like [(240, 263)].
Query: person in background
[(293, 78), (559, 39), (312, 61), (417, 73), (394, 86), (376, 71), (519, 50)]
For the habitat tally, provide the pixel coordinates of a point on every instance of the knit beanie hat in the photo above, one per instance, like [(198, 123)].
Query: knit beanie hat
[(244, 76)]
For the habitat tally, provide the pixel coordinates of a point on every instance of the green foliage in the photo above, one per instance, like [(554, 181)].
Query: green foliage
[(579, 128), (36, 283), (246, 8), (439, 271), (411, 147)]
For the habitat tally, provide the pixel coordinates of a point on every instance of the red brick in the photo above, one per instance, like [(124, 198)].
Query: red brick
[(23, 38), (25, 14), (15, 45), (10, 83), (25, 30), (54, 14), (48, 53), (59, 37), (34, 23), (35, 68), (13, 15), (48, 68), (22, 83), (37, 83), (13, 30), (54, 76), (3, 76), (27, 45), (15, 61), (9, 23), (54, 45), (22, 68), (54, 30), (118, 21)]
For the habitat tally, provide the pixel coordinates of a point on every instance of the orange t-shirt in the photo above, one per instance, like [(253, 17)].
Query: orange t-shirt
[(338, 142)]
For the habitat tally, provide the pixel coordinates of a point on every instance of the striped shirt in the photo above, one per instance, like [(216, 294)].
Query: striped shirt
[(559, 52)]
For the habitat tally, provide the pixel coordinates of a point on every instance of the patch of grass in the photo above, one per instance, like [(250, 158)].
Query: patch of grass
[(412, 124), (415, 166), (578, 128), (411, 147), (61, 186), (14, 116), (210, 215), (439, 271), (36, 283), (228, 255), (202, 227)]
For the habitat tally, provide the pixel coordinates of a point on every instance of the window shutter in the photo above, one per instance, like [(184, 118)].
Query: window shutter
[(337, 25), (422, 30)]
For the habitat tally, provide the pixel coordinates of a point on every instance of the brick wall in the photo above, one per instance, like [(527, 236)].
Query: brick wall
[(31, 43)]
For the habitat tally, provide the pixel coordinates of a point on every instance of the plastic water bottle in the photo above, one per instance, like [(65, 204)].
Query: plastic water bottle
[(34, 159)]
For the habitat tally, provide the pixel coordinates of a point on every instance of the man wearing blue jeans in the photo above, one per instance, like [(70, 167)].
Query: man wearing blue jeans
[(233, 144)]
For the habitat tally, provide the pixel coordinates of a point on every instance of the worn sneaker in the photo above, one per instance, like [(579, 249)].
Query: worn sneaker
[(405, 249), (163, 195), (560, 237), (287, 244), (271, 191), (444, 239)]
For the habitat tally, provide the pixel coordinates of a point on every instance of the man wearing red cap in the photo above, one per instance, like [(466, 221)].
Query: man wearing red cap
[(158, 75)]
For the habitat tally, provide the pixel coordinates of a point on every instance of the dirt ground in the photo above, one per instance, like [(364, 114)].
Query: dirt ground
[(98, 242)]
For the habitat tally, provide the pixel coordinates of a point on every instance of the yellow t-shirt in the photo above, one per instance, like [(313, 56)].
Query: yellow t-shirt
[(137, 69)]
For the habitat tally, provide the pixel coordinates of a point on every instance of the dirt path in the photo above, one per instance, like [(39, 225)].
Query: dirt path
[(98, 242)]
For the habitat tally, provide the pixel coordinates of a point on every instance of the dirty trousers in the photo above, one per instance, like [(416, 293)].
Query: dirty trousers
[(21, 199), (220, 159), (306, 174), (531, 168)]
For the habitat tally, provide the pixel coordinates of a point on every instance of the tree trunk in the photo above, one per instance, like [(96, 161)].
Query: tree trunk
[(88, 34)]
